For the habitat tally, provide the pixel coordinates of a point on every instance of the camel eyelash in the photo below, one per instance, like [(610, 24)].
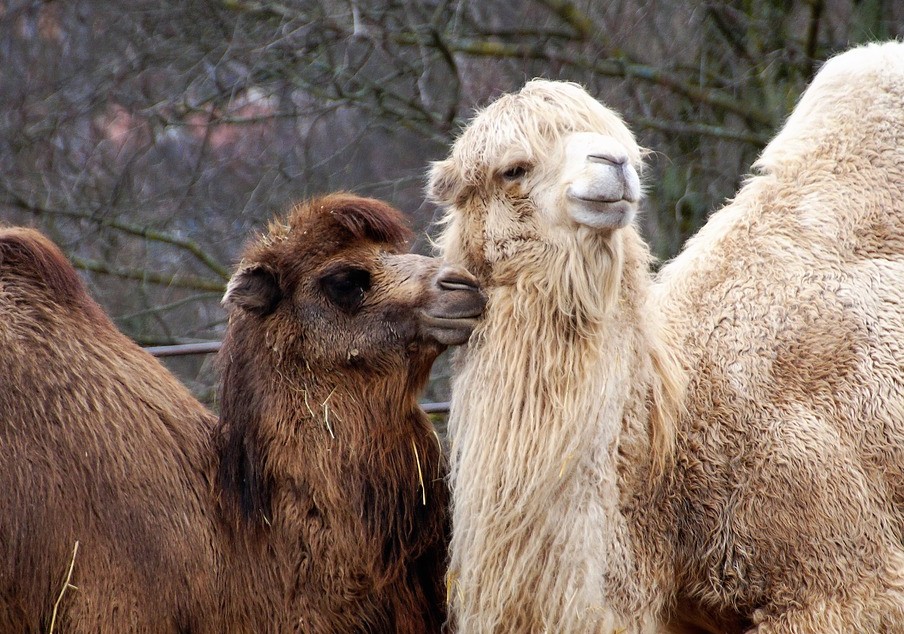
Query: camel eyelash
[(346, 287), (515, 172)]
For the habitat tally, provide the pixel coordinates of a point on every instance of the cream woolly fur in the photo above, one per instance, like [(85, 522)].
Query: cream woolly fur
[(780, 510), (565, 337)]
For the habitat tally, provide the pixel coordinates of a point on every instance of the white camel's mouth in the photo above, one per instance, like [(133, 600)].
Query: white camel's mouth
[(603, 186), (604, 201), (601, 213)]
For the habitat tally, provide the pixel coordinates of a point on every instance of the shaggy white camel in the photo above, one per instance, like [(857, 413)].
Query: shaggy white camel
[(592, 491)]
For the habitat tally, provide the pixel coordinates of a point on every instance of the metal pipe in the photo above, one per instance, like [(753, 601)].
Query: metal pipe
[(209, 347)]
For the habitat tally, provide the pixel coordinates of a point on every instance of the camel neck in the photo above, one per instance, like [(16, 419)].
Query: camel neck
[(302, 431), (344, 475), (544, 406)]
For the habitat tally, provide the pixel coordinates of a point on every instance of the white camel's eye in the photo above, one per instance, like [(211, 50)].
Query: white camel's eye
[(514, 173)]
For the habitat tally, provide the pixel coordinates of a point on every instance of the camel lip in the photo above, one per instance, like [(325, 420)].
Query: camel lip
[(603, 201), (460, 322), (607, 201), (603, 215)]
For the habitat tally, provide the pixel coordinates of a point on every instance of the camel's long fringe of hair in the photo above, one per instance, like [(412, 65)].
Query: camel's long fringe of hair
[(556, 361)]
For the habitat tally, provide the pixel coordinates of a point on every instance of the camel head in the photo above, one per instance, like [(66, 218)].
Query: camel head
[(531, 173), (331, 287)]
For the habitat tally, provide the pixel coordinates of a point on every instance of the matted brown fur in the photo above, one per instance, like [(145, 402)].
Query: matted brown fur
[(100, 445), (316, 504)]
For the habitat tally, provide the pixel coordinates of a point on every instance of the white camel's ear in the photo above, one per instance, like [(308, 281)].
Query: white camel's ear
[(444, 184), (254, 289)]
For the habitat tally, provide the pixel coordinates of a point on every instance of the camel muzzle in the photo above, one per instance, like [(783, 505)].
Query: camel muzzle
[(456, 307)]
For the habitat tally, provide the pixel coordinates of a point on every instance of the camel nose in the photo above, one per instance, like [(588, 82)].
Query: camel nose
[(454, 311), (455, 278), (611, 158)]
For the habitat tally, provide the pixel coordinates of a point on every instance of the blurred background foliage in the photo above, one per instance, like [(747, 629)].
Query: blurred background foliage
[(151, 139)]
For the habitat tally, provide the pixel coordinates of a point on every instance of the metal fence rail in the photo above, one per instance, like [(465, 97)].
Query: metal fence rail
[(180, 350), (210, 347)]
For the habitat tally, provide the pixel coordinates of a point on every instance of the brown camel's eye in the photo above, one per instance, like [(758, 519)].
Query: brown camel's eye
[(514, 173), (346, 287)]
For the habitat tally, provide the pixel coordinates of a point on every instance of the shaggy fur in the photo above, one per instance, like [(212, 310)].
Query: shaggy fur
[(565, 342), (780, 510), (315, 504)]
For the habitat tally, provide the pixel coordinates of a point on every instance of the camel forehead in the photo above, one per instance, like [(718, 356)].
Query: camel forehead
[(325, 226), (334, 231), (531, 124)]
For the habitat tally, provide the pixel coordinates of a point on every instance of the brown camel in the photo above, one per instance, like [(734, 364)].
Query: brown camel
[(315, 504)]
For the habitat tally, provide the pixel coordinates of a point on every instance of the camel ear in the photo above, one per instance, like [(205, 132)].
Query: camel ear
[(444, 184), (254, 289)]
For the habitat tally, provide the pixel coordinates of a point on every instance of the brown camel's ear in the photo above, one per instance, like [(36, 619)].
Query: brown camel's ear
[(444, 184), (254, 289)]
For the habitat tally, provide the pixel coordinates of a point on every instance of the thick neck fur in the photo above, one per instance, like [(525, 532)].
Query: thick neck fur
[(545, 409), (347, 496)]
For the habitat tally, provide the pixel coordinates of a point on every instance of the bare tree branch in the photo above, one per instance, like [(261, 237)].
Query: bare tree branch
[(569, 14), (150, 277), (609, 68), (700, 129), (812, 41), (142, 232)]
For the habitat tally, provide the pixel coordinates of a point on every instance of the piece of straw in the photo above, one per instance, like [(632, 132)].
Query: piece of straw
[(420, 475), (66, 586)]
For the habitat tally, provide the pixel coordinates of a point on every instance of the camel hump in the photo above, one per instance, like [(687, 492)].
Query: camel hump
[(30, 257), (883, 58)]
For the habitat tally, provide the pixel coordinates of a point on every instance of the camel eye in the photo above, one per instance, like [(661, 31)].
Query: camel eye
[(514, 173), (346, 287)]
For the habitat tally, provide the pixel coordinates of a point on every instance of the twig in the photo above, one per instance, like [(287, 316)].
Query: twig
[(571, 15), (816, 7), (267, 9), (151, 277), (310, 411), (701, 129), (66, 586)]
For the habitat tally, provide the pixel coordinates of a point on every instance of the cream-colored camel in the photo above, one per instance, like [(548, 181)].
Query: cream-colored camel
[(591, 492)]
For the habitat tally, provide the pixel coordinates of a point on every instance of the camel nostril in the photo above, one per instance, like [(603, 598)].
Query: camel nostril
[(616, 161), (457, 280)]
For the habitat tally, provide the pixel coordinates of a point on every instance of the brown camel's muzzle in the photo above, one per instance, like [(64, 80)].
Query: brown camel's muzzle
[(456, 305)]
